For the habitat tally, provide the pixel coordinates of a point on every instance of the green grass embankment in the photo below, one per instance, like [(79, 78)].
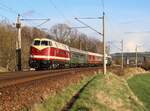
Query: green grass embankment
[(108, 93), (140, 85), (60, 99)]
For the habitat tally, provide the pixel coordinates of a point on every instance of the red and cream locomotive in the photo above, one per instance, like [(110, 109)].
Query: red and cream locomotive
[(47, 53)]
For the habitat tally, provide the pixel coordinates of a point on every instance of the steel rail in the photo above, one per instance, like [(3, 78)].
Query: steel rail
[(7, 80)]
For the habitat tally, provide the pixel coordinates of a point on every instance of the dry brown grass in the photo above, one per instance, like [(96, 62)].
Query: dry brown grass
[(3, 69), (128, 72), (133, 70)]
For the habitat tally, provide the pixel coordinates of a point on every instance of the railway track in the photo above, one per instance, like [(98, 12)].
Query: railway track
[(14, 78), (24, 89)]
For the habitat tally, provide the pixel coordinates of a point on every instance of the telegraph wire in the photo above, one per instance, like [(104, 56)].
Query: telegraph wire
[(36, 12), (8, 8), (4, 17), (5, 9), (42, 23), (58, 10)]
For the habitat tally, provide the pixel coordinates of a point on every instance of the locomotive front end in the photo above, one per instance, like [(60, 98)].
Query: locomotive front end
[(39, 54)]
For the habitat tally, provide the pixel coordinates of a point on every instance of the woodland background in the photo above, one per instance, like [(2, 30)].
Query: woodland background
[(59, 32)]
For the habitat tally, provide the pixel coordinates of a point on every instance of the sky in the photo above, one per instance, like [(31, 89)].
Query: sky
[(127, 20)]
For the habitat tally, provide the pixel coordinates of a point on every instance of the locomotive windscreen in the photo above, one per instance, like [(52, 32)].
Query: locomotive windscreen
[(44, 43), (36, 42)]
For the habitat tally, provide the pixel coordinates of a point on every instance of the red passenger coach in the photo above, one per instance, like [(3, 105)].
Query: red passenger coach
[(95, 59), (46, 53)]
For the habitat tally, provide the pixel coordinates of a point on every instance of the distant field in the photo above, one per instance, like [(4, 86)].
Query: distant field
[(140, 85)]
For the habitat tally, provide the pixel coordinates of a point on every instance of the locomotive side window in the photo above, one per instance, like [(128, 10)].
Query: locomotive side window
[(44, 43), (36, 42)]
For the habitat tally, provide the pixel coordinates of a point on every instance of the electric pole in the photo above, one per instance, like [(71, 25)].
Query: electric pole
[(136, 56), (18, 44), (80, 43), (18, 40), (104, 48), (102, 34), (122, 55)]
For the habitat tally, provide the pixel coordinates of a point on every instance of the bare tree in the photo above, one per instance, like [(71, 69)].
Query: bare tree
[(61, 32), (7, 46), (72, 37)]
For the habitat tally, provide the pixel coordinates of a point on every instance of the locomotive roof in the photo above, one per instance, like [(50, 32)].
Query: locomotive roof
[(55, 44), (59, 45), (66, 47)]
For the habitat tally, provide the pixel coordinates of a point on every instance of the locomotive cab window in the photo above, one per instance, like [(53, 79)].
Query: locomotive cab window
[(36, 42), (44, 43)]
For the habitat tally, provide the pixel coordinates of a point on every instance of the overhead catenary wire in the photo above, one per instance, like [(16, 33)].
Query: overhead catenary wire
[(4, 17), (9, 9), (12, 11), (115, 46), (36, 19), (88, 26), (30, 6), (35, 11), (57, 9), (43, 23)]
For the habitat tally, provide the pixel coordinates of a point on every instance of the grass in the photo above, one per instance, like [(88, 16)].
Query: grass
[(108, 93), (140, 85), (58, 101), (105, 93)]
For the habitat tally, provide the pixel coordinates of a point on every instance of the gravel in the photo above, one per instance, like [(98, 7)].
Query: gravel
[(17, 97)]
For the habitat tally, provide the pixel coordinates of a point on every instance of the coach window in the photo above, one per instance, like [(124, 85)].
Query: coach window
[(44, 43), (36, 42)]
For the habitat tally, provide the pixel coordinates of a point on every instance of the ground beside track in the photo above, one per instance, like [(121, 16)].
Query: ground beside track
[(25, 95), (47, 93), (57, 101), (104, 93)]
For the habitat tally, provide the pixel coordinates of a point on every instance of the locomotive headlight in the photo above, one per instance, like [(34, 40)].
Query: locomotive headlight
[(31, 56)]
